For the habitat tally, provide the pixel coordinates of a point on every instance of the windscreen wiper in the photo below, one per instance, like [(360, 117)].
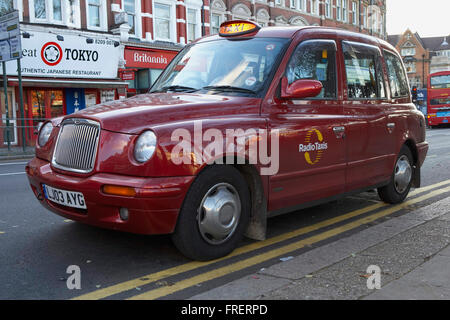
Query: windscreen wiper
[(176, 88), (229, 89)]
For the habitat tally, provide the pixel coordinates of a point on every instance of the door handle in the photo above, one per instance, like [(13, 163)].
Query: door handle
[(390, 126), (339, 131)]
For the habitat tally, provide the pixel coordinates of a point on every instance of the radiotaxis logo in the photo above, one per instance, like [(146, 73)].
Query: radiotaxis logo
[(313, 147)]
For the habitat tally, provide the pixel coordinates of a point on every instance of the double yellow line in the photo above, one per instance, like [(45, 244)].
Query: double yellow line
[(252, 261)]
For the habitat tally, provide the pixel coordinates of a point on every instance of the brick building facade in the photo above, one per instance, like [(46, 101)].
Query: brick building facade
[(422, 55)]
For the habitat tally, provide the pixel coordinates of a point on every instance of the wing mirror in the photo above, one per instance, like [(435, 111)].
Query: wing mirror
[(300, 88)]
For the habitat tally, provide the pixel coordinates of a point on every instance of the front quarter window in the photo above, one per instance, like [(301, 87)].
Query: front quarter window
[(228, 66)]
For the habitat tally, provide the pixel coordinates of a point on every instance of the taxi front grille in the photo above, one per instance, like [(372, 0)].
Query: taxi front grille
[(76, 146)]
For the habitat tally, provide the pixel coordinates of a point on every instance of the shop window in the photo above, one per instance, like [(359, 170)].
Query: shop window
[(154, 74), (90, 98), (143, 81), (56, 103), (38, 106)]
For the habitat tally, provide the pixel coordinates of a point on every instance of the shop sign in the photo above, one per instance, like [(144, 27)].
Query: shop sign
[(127, 75), (45, 56), (148, 58)]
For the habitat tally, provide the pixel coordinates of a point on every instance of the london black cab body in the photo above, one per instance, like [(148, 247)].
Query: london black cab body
[(241, 126)]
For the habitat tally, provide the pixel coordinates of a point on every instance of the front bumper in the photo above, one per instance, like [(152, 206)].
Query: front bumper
[(154, 209)]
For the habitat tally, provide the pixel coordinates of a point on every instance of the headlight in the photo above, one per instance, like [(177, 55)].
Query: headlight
[(44, 133), (145, 146)]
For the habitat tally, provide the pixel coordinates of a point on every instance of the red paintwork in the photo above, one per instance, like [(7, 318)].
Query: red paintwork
[(436, 94), (364, 156)]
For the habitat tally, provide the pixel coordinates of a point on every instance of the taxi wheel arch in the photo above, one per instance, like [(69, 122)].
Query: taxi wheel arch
[(393, 193), (197, 233)]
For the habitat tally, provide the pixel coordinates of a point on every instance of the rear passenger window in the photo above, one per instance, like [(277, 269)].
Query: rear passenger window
[(315, 60), (363, 69), (397, 77)]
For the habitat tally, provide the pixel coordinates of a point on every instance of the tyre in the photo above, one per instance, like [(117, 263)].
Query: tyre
[(401, 179), (214, 215)]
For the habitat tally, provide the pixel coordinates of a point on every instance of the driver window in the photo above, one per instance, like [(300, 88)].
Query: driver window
[(315, 60)]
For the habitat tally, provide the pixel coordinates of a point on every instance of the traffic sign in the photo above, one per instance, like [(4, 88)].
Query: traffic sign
[(10, 42)]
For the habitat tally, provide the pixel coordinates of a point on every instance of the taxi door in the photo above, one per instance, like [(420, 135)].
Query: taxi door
[(312, 132), (370, 137)]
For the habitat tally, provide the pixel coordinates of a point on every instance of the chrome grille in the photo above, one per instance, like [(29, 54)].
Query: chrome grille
[(76, 147)]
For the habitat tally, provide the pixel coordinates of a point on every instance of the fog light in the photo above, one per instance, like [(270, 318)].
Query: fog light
[(123, 212)]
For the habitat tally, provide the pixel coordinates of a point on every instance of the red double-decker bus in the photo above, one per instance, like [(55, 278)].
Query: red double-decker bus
[(438, 109)]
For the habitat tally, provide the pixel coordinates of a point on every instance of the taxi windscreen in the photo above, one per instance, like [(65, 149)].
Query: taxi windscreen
[(237, 67)]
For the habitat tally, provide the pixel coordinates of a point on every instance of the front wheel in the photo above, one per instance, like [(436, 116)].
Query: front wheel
[(214, 214), (401, 179)]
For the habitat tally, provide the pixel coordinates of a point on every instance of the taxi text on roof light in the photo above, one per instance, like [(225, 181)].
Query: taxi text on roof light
[(237, 28)]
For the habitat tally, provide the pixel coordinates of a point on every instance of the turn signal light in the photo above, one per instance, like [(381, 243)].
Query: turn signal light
[(431, 115), (119, 190)]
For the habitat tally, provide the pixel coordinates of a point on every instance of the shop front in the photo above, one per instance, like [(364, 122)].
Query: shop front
[(143, 66), (61, 77)]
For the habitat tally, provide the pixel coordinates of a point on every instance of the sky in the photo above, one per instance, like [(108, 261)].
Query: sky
[(429, 18)]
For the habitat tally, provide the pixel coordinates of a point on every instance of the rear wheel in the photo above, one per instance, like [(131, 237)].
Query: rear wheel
[(401, 179), (214, 215)]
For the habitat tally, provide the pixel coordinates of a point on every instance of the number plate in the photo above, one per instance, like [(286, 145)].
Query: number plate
[(66, 198)]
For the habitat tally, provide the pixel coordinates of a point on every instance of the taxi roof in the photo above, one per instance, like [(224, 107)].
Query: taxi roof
[(290, 31)]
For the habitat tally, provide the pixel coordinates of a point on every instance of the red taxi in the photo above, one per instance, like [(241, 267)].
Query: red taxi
[(241, 126)]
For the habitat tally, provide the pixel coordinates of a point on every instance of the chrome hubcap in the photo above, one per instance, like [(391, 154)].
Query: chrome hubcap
[(403, 174), (219, 213)]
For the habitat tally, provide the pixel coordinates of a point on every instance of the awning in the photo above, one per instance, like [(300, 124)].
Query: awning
[(67, 83)]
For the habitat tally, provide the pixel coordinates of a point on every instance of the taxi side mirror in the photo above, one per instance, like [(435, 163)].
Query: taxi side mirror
[(300, 88)]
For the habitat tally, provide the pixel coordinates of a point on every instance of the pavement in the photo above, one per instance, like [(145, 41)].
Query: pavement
[(412, 253), (16, 153)]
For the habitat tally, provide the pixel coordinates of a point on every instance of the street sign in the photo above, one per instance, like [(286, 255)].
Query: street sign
[(10, 44)]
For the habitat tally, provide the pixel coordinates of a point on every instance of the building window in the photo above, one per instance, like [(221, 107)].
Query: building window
[(292, 3), (130, 8), (162, 22), (278, 2), (354, 13), (96, 14), (40, 11), (302, 5), (410, 67), (344, 11), (327, 8), (215, 23), (65, 12), (338, 9), (364, 13), (408, 51), (6, 6), (314, 6), (192, 24)]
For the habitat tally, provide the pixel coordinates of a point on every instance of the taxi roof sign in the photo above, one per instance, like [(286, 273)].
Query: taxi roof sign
[(237, 28)]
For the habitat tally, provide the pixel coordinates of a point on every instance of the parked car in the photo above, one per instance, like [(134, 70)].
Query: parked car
[(241, 126)]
